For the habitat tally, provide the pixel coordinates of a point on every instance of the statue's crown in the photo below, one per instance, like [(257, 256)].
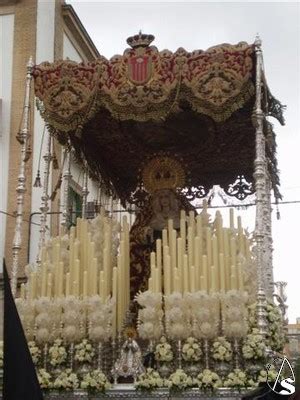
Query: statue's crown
[(140, 40), (163, 172)]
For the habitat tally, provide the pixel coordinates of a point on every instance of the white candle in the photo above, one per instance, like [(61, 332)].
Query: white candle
[(231, 218), (49, 285), (190, 246), (44, 279), (185, 274), (222, 272), (208, 247), (192, 279), (205, 273), (213, 279), (114, 295), (85, 283), (68, 284), (233, 251)]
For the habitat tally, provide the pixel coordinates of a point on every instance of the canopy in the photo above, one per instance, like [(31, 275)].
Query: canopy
[(196, 106)]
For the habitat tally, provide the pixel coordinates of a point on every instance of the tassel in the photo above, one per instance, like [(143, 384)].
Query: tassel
[(37, 182)]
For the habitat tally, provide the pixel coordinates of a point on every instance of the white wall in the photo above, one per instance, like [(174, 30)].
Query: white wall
[(6, 59), (44, 52), (69, 50)]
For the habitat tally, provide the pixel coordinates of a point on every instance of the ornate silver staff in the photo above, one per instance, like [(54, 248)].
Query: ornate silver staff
[(66, 179), (85, 193), (21, 186), (45, 198), (260, 187)]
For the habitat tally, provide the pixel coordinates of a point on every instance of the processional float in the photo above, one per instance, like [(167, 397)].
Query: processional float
[(177, 291)]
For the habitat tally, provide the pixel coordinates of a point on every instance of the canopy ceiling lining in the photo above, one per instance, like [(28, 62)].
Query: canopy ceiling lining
[(188, 103)]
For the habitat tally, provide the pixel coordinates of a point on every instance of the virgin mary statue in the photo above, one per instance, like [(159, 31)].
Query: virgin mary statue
[(162, 177)]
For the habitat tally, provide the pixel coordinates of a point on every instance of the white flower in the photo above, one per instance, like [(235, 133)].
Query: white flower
[(179, 380), (149, 380), (191, 350), (84, 351), (34, 351), (44, 378), (208, 380), (163, 351), (67, 380), (236, 379), (221, 349), (58, 353), (95, 380)]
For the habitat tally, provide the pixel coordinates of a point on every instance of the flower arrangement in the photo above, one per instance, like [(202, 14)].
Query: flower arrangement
[(221, 350), (58, 353), (67, 380), (254, 347), (275, 337), (149, 380), (163, 351), (234, 313), (100, 318), (262, 376), (34, 351), (44, 378), (84, 351), (177, 318), (236, 379), (208, 380), (205, 311), (179, 381), (95, 381), (150, 316), (191, 350), (1, 354)]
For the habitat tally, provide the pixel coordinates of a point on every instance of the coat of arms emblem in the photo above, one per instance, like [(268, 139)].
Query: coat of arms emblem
[(139, 69)]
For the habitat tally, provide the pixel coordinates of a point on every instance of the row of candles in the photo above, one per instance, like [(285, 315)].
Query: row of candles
[(202, 256), (83, 275)]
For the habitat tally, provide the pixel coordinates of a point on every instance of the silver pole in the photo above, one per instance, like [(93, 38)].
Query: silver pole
[(260, 180), (21, 186), (45, 198), (67, 179), (268, 247), (85, 193)]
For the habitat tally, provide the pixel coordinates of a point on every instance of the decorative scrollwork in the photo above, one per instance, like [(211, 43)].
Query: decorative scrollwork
[(193, 193), (240, 188)]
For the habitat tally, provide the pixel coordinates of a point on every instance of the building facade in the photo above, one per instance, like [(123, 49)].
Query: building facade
[(45, 31)]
